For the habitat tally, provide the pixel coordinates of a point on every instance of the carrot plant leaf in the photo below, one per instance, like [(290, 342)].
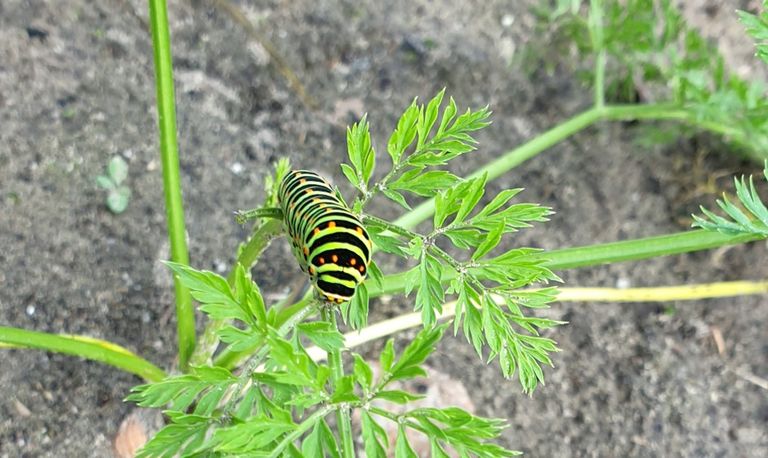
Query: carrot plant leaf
[(251, 436), (403, 448), (757, 28), (323, 334), (458, 429), (374, 437), (182, 390), (185, 434), (320, 443), (417, 144), (750, 216), (361, 155)]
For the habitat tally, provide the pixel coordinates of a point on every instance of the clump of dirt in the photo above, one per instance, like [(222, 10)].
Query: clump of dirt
[(76, 88)]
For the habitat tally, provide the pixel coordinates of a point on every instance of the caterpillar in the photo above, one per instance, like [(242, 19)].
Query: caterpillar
[(327, 239)]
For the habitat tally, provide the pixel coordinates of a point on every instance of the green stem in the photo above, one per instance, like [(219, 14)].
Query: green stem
[(398, 419), (645, 248), (592, 255), (598, 45), (84, 347), (284, 315), (337, 373), (166, 112), (401, 231), (243, 216), (256, 245), (258, 242)]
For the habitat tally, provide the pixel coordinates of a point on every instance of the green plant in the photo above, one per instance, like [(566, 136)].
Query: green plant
[(489, 311), (757, 27), (118, 193), (262, 394), (644, 49)]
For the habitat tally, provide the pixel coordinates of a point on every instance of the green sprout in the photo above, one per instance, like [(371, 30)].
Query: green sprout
[(119, 194)]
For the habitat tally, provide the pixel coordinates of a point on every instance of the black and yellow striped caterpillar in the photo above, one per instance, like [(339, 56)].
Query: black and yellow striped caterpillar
[(328, 240)]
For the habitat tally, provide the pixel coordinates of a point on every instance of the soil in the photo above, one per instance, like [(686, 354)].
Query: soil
[(76, 88)]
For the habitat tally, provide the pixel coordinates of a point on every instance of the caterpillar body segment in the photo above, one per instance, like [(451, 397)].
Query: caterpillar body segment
[(327, 239)]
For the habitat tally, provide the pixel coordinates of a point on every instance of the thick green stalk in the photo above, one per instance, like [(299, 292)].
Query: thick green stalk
[(84, 347), (257, 244), (645, 248), (598, 45), (169, 153), (592, 255), (337, 373)]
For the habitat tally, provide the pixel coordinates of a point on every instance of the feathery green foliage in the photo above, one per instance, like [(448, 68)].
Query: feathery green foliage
[(757, 27), (751, 219), (282, 396), (647, 51), (488, 312)]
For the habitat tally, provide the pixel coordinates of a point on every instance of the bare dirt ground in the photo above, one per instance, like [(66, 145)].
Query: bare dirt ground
[(76, 87)]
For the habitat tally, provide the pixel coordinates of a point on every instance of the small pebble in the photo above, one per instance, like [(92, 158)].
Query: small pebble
[(131, 436), (21, 409), (237, 168), (507, 20), (30, 310)]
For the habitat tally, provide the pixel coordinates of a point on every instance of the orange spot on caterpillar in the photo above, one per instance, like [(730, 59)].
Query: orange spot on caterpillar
[(306, 251), (361, 269), (309, 191), (352, 262), (332, 224), (302, 181), (316, 231), (359, 230), (334, 258), (321, 261), (311, 270)]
